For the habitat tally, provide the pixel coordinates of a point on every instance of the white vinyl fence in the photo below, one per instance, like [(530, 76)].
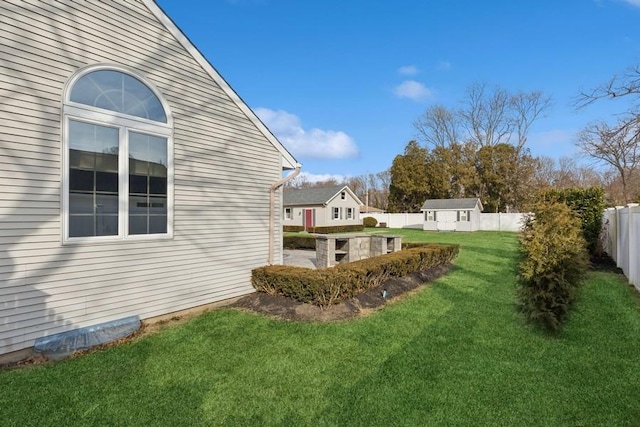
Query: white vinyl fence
[(621, 239), (397, 220), (488, 221)]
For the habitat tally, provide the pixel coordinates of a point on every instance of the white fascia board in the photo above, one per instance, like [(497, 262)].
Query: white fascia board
[(348, 190), (288, 162)]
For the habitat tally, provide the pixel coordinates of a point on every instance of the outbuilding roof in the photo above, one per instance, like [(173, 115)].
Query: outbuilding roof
[(453, 204), (314, 196)]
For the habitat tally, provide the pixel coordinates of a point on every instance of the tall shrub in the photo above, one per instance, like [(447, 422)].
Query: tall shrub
[(553, 264), (588, 204)]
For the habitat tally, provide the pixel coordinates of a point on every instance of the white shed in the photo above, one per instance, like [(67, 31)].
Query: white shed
[(452, 214)]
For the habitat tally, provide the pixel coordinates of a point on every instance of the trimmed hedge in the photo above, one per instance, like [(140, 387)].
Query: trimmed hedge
[(324, 230), (369, 222), (299, 242), (333, 285), (336, 229), (588, 204), (554, 263)]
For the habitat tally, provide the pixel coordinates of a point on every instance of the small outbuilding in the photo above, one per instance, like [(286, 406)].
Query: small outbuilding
[(452, 214), (321, 207)]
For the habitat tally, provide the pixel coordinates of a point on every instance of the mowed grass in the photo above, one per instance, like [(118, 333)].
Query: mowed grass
[(457, 352)]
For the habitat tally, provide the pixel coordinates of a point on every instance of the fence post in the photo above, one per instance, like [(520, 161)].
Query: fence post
[(634, 238), (619, 250)]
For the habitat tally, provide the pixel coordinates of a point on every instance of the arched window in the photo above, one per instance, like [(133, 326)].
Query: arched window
[(117, 156)]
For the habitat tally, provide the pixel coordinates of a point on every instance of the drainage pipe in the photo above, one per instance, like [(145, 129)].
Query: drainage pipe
[(272, 201)]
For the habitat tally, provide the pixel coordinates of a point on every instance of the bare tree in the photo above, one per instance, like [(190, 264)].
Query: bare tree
[(489, 116), (622, 86), (438, 126), (485, 115), (526, 108), (616, 146)]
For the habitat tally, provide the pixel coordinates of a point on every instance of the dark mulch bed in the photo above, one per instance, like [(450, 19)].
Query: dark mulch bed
[(290, 309), (604, 262)]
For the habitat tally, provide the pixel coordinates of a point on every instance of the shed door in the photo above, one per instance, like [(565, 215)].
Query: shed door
[(308, 219), (446, 220)]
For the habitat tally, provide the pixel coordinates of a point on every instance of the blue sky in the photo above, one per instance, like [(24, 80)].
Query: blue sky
[(341, 82)]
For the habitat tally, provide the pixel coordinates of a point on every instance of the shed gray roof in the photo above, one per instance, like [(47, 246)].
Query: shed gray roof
[(311, 196), (435, 204)]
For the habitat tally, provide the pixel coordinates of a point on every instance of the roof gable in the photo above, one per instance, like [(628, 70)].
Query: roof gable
[(289, 162), (453, 204), (315, 196)]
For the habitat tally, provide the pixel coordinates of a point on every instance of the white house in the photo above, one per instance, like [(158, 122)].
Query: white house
[(133, 180), (321, 207), (452, 214)]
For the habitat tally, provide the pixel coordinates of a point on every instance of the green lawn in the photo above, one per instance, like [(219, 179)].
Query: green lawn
[(455, 353)]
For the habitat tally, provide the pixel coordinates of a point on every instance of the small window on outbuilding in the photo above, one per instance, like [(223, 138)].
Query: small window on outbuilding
[(430, 215), (464, 216), (288, 214)]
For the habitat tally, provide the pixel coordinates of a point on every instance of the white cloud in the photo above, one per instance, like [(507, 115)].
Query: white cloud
[(322, 177), (312, 143), (634, 3), (413, 90), (408, 70), (443, 66)]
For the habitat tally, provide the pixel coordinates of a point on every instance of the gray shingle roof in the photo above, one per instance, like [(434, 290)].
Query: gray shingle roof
[(310, 196), (435, 204)]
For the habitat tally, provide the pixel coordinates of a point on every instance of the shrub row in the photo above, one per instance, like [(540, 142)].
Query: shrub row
[(588, 204), (299, 242), (333, 285), (336, 229), (326, 229), (553, 264)]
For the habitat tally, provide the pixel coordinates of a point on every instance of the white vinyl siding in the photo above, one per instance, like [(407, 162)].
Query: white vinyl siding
[(223, 167)]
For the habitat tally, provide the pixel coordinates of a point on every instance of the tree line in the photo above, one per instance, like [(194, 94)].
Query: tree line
[(480, 150)]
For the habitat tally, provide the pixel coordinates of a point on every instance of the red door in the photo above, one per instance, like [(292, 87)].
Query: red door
[(308, 219)]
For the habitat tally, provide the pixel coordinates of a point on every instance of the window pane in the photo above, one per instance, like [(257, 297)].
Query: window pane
[(106, 203), (81, 203), (107, 181), (80, 226), (158, 185), (138, 184), (138, 205), (149, 148), (81, 180), (116, 91), (93, 179), (157, 224), (148, 177), (138, 224), (158, 205), (106, 225)]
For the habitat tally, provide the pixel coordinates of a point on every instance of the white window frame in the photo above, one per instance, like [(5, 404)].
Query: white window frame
[(430, 215), (288, 214), (125, 124), (463, 216), (335, 213), (349, 213)]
